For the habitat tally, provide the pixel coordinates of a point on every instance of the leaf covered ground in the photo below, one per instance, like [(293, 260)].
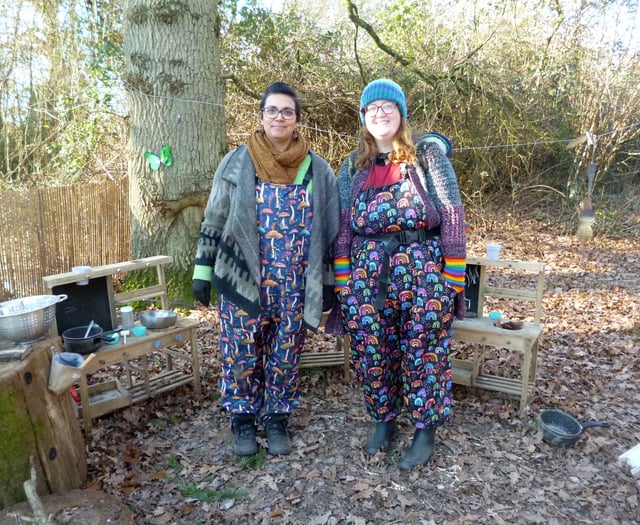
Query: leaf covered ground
[(169, 460)]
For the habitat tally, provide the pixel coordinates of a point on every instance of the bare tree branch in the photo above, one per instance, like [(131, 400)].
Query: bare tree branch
[(242, 87), (355, 51), (410, 65)]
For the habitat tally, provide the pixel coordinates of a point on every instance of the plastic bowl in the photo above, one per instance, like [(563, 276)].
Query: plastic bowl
[(155, 319), (139, 331)]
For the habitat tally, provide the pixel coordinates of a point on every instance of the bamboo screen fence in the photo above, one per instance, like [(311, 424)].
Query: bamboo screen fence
[(46, 231)]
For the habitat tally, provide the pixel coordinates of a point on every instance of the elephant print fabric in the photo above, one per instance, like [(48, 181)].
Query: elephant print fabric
[(409, 338), (260, 356)]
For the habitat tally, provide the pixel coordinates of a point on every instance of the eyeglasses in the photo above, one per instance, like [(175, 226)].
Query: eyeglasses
[(273, 112), (372, 109)]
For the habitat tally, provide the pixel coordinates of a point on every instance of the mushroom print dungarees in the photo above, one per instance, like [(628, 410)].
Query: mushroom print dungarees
[(260, 356), (400, 353)]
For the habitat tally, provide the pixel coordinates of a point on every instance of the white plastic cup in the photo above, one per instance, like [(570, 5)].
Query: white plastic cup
[(493, 251)]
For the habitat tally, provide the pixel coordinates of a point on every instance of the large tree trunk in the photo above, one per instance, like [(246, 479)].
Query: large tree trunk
[(176, 95)]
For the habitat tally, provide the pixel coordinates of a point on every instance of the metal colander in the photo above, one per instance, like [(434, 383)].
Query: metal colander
[(26, 319)]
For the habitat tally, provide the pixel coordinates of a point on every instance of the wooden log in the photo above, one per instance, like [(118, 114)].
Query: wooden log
[(37, 423)]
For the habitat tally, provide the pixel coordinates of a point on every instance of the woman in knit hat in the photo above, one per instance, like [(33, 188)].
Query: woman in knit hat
[(399, 263), (269, 224)]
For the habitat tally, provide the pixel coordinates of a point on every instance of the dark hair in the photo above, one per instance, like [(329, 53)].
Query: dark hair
[(281, 88)]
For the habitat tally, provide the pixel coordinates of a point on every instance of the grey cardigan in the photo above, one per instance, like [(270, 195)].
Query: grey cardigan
[(229, 235)]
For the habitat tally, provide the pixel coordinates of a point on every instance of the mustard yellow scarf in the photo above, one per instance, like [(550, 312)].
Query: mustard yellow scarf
[(275, 166)]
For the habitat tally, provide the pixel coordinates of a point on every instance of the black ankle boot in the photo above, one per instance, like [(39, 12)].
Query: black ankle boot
[(277, 435), (381, 438), (421, 449), (244, 434)]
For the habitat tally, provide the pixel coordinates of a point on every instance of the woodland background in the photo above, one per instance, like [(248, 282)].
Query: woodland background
[(512, 83), (531, 94)]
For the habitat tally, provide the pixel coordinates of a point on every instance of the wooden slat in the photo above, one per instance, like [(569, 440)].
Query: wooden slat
[(107, 270), (511, 293), (501, 384), (141, 293), (316, 359)]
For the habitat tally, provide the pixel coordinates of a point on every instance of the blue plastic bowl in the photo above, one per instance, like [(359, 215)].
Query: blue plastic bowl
[(139, 331)]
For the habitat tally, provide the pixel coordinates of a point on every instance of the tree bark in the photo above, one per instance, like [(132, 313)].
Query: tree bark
[(37, 424), (176, 95)]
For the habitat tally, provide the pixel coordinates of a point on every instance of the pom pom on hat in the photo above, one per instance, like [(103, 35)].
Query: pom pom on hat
[(383, 89)]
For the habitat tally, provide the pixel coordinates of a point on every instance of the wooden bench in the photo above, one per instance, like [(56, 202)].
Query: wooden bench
[(519, 296), (143, 378), (341, 356)]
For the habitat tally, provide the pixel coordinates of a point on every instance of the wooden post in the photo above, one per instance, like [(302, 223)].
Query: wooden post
[(37, 423)]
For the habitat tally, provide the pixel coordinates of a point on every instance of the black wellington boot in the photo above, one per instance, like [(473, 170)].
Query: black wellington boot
[(277, 435), (421, 449), (381, 438), (244, 434)]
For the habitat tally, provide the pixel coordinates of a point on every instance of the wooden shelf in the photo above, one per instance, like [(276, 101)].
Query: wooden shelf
[(105, 398), (161, 383), (107, 270), (501, 384)]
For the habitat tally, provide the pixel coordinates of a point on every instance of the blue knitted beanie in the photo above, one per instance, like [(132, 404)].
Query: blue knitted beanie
[(383, 89)]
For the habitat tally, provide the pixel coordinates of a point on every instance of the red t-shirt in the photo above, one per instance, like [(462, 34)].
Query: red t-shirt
[(384, 175)]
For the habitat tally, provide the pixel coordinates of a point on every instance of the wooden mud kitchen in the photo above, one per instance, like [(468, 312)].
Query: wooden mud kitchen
[(149, 361)]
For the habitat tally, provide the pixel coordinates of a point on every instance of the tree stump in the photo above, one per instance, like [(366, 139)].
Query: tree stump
[(35, 422)]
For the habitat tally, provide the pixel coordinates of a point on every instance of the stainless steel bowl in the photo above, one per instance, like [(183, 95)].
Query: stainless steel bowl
[(29, 318), (154, 319)]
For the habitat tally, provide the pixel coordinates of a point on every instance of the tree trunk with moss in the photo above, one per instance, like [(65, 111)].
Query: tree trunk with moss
[(38, 425), (176, 97)]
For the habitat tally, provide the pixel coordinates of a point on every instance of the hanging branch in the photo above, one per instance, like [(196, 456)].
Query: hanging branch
[(430, 79), (359, 22), (355, 52)]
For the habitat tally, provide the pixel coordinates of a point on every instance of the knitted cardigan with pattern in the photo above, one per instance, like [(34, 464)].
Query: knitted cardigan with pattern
[(229, 242), (436, 182)]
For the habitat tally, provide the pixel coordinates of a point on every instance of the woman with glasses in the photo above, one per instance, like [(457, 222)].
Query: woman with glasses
[(399, 269), (268, 226)]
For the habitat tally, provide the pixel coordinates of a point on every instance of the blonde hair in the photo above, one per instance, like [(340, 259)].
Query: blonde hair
[(404, 149)]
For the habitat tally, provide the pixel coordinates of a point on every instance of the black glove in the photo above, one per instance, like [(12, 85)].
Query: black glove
[(328, 298), (202, 291)]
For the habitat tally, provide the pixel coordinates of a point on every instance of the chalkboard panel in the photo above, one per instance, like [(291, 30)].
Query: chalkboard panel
[(472, 289), (85, 303)]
